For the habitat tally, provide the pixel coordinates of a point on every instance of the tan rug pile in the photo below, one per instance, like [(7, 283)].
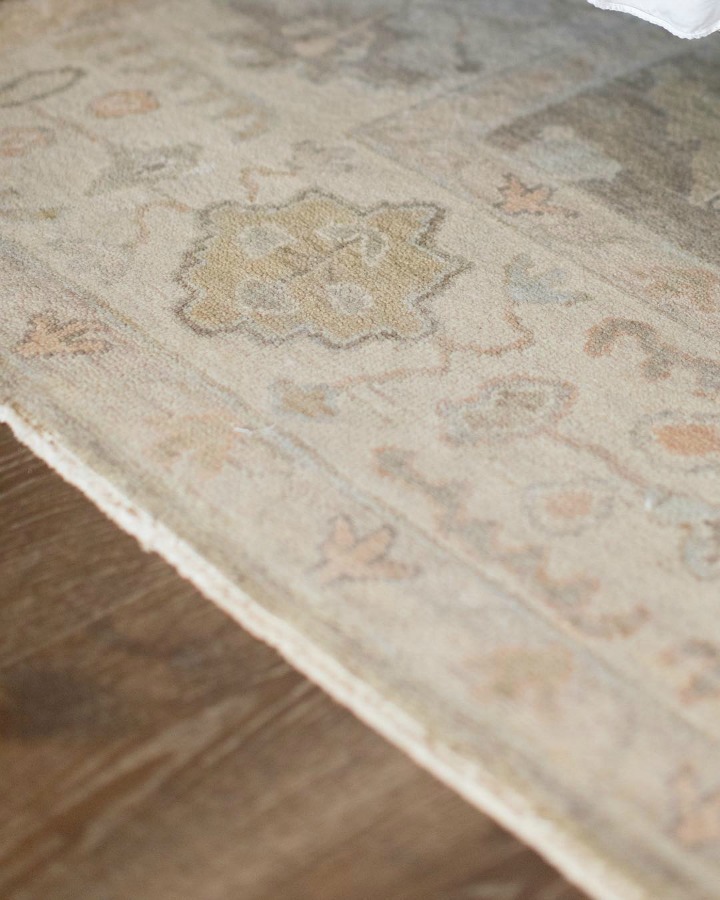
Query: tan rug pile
[(394, 325)]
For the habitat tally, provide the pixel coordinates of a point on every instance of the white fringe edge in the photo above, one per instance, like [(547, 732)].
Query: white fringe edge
[(655, 20), (574, 859)]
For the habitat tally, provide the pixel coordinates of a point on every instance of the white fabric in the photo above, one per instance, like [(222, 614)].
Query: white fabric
[(684, 18)]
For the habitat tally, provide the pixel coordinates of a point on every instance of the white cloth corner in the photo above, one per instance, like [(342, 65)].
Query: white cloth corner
[(684, 18)]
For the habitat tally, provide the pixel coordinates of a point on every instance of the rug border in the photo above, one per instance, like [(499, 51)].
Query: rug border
[(575, 859)]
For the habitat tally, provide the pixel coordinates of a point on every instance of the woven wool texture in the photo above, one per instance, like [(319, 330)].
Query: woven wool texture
[(393, 324)]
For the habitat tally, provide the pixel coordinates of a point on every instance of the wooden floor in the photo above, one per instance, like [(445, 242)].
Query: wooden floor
[(150, 749)]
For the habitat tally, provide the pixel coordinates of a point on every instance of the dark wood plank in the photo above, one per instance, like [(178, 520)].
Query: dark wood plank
[(151, 748), (62, 563)]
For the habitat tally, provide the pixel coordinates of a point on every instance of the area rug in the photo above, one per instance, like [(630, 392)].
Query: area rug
[(393, 325)]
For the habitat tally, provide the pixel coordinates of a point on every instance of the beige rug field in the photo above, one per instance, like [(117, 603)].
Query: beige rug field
[(393, 324)]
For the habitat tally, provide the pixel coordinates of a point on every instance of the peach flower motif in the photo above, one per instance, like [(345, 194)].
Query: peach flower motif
[(20, 141), (117, 104), (680, 441), (565, 508)]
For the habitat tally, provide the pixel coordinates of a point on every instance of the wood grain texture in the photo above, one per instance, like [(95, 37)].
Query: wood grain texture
[(150, 748)]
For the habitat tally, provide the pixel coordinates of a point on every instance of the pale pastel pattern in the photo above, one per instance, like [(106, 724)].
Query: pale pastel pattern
[(394, 325)]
